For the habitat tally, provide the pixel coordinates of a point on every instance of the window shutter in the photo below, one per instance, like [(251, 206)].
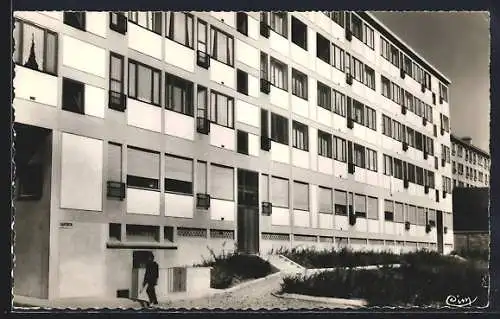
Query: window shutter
[(178, 168), (372, 208), (398, 213), (340, 198), (325, 200), (222, 182), (300, 196), (143, 163), (279, 192), (360, 203)]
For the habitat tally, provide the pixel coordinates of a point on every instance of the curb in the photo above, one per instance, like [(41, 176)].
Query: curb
[(328, 300)]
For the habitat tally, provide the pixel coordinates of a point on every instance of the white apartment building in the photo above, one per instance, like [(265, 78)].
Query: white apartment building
[(174, 132)]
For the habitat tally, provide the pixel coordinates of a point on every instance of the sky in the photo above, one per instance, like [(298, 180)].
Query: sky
[(458, 45)]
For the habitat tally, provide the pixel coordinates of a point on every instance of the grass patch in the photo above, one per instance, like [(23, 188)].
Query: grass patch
[(424, 278), (230, 269)]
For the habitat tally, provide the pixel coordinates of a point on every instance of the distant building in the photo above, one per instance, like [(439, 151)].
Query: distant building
[(470, 165)]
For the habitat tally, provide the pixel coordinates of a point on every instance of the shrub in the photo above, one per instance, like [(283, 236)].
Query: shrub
[(416, 282), (228, 269)]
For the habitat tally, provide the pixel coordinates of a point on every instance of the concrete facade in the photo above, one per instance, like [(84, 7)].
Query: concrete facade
[(83, 255)]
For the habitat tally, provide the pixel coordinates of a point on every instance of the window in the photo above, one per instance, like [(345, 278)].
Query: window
[(418, 141), (116, 65), (264, 66), (387, 165), (396, 130), (222, 46), (368, 36), (279, 192), (411, 173), (324, 144), (322, 48), (324, 96), (114, 172), (445, 124), (357, 27), (429, 178), (242, 82), (299, 84), (420, 175), (143, 168), (75, 19), (242, 142), (73, 96), (340, 203), (300, 196), (242, 22), (443, 92), (339, 149), (410, 136), (279, 129), (264, 187), (118, 22), (300, 137), (202, 102), (178, 175), (385, 48), (202, 36), (279, 74), (338, 17), (398, 169), (360, 205), (201, 177), (371, 160), (386, 125), (221, 109), (35, 48), (358, 112), (299, 33), (395, 93), (370, 118), (409, 101), (279, 23), (369, 79), (264, 123), (394, 56), (386, 87), (429, 145), (412, 215), (407, 65), (359, 156), (339, 106), (325, 200), (179, 28), (179, 95), (338, 58), (398, 213), (372, 208), (149, 20), (358, 70), (143, 83), (222, 186), (388, 210), (427, 80)]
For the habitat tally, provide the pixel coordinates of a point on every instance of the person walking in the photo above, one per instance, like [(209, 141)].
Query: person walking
[(151, 279)]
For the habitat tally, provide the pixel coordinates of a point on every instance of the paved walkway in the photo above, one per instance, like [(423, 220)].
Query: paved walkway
[(255, 296)]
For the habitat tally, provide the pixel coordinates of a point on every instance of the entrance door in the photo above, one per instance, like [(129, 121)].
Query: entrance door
[(439, 227), (248, 212)]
